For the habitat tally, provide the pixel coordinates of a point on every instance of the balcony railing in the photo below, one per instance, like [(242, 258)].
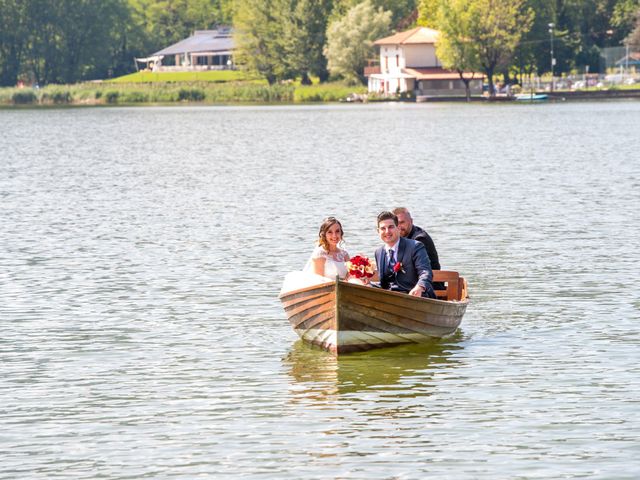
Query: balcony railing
[(371, 70)]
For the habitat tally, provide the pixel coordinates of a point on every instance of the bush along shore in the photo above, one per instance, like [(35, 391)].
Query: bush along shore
[(184, 92), (246, 92)]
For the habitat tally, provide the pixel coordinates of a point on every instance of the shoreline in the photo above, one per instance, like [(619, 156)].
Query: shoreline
[(248, 94), (552, 96)]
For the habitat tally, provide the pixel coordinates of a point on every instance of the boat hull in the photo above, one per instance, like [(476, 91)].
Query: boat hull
[(526, 97), (343, 317)]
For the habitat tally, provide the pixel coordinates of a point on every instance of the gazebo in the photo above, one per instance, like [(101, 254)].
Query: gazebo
[(204, 50)]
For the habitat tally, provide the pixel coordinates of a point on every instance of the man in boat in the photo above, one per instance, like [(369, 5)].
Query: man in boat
[(403, 264), (409, 230)]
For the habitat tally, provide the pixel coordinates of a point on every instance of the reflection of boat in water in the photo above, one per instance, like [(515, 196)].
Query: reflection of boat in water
[(323, 373), (344, 317)]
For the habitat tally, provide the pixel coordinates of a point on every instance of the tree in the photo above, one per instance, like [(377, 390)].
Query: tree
[(282, 39), (400, 9), (586, 26), (169, 21), (633, 40), (454, 49), (87, 29), (625, 16), (303, 36), (428, 11), (350, 40), (59, 42), (532, 55), (494, 29), (13, 39), (256, 31)]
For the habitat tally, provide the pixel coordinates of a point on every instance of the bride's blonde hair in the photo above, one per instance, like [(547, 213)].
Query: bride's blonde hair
[(327, 223)]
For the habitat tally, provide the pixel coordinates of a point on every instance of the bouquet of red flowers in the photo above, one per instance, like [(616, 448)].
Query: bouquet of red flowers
[(360, 267)]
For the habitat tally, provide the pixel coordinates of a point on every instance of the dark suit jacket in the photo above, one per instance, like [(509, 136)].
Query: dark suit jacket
[(415, 263), (423, 237)]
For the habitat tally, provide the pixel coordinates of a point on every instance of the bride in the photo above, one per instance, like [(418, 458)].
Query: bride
[(327, 260)]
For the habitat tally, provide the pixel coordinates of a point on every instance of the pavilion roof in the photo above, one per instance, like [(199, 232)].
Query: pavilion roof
[(219, 40)]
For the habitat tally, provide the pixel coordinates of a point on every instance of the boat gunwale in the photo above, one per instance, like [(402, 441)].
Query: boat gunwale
[(303, 290), (406, 297)]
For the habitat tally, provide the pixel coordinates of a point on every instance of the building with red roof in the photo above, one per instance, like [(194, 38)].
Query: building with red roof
[(408, 63)]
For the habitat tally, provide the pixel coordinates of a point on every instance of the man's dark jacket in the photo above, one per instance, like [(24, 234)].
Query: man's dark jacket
[(423, 237)]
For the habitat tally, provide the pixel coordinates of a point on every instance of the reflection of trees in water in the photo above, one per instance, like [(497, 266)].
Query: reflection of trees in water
[(402, 371)]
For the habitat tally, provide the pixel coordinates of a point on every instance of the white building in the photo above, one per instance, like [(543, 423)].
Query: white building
[(408, 63)]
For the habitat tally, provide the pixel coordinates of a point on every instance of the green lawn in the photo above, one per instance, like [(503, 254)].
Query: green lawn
[(164, 77)]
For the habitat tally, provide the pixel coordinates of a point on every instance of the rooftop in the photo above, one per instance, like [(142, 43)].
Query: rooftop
[(414, 36), (437, 73), (219, 40)]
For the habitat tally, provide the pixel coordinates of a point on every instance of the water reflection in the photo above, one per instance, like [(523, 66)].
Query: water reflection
[(319, 375)]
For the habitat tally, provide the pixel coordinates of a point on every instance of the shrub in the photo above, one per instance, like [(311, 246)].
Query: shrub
[(57, 96), (24, 97), (163, 95), (191, 94), (409, 95), (134, 96), (111, 96), (377, 97), (326, 92)]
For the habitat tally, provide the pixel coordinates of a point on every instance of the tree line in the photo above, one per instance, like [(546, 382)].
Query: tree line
[(66, 41), (525, 37)]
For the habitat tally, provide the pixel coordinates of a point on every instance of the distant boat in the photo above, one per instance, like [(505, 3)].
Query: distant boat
[(344, 317), (531, 97)]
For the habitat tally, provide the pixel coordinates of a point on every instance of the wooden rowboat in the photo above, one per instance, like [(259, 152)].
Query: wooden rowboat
[(344, 317)]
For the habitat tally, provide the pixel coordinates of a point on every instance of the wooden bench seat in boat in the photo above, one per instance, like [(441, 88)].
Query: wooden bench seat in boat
[(454, 290)]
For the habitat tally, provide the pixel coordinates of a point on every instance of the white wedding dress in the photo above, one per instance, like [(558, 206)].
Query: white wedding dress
[(333, 266)]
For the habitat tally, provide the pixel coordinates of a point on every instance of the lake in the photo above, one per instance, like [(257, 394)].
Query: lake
[(142, 251)]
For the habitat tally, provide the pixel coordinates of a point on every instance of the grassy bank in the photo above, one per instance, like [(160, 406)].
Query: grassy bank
[(123, 93), (168, 77)]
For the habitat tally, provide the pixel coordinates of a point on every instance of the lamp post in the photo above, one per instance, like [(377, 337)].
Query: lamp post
[(586, 78), (626, 59), (553, 60)]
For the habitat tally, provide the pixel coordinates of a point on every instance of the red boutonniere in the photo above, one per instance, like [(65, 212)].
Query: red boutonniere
[(398, 268)]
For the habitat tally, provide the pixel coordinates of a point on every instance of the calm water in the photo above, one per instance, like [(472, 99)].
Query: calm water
[(142, 250)]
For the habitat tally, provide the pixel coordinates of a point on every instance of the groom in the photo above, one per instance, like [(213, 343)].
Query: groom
[(403, 264)]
